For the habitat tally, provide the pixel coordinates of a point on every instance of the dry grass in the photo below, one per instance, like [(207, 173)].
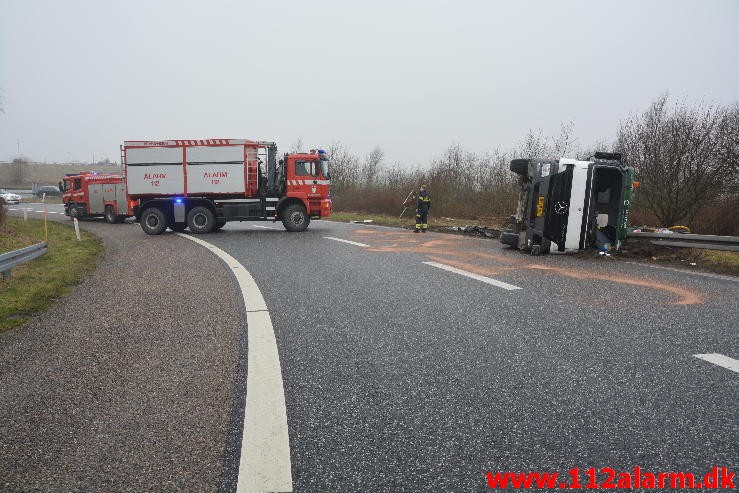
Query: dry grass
[(36, 285)]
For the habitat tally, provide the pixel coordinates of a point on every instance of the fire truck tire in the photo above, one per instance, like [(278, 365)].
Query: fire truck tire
[(201, 220), (110, 215), (74, 212), (295, 218), (153, 221)]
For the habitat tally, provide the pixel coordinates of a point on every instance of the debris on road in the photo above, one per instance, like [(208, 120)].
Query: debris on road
[(670, 230), (475, 231)]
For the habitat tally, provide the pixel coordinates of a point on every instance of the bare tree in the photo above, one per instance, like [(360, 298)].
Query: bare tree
[(344, 167), (601, 145), (533, 145), (536, 144), (685, 157), (297, 146), (371, 165), (564, 144)]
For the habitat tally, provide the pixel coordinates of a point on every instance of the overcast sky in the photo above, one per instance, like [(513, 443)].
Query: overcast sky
[(79, 77)]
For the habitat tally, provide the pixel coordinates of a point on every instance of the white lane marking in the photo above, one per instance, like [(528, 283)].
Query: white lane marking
[(346, 241), (720, 360), (685, 271), (263, 227), (487, 280), (265, 446), (39, 212)]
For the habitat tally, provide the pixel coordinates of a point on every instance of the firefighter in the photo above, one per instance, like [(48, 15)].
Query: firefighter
[(422, 210)]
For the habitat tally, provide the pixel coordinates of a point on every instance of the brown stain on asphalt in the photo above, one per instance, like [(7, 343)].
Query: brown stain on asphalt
[(449, 251)]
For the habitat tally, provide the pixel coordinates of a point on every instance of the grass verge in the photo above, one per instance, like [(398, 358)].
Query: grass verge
[(36, 285)]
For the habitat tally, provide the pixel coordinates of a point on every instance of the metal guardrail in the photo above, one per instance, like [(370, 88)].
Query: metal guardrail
[(708, 242), (21, 256)]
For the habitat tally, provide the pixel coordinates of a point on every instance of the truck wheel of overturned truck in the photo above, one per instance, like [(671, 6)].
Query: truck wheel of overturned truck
[(200, 220), (520, 166), (153, 221), (295, 218)]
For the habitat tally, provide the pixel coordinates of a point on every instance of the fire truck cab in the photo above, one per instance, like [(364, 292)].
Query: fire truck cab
[(93, 194)]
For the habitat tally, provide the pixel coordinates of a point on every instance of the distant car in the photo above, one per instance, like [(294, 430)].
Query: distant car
[(9, 198), (49, 190)]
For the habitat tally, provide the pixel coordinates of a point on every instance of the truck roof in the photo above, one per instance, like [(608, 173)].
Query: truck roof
[(187, 142), (88, 175)]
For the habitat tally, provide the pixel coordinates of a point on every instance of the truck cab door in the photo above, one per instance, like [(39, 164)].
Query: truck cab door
[(307, 177)]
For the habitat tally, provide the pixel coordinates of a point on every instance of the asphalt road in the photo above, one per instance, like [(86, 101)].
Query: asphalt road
[(400, 375)]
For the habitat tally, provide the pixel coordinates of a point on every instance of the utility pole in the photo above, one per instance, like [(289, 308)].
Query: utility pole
[(18, 141)]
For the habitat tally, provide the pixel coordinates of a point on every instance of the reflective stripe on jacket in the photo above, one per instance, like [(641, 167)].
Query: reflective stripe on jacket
[(424, 201)]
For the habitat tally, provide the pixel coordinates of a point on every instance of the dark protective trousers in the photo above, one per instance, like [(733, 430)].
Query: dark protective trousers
[(422, 219)]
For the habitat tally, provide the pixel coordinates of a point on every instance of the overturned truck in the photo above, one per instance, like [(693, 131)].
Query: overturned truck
[(568, 205)]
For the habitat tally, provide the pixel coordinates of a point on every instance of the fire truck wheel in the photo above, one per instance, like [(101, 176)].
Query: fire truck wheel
[(295, 218), (110, 216), (200, 220), (74, 212), (153, 221)]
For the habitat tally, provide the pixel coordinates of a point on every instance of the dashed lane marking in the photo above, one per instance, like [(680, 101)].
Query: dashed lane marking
[(263, 227), (265, 447), (487, 280), (39, 212), (720, 360), (346, 241)]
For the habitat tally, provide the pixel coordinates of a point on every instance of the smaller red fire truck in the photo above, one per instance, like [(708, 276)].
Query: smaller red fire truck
[(92, 194)]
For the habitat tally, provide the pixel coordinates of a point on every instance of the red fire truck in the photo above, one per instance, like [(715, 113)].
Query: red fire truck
[(202, 184), (92, 194)]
